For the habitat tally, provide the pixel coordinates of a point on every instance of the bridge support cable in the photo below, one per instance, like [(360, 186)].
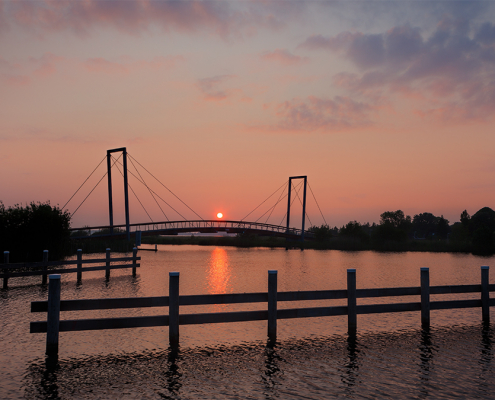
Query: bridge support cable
[(263, 202), (92, 190), (147, 187), (157, 195), (166, 188), (135, 195), (280, 198), (317, 204), (300, 201), (296, 189), (68, 201)]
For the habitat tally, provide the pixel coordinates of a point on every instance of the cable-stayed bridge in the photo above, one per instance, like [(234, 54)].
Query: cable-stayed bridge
[(288, 191)]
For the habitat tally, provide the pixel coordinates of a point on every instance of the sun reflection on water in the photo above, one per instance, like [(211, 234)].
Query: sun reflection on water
[(219, 273)]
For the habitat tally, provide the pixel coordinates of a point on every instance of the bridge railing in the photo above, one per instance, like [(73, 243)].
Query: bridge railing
[(52, 326), (11, 270), (203, 224)]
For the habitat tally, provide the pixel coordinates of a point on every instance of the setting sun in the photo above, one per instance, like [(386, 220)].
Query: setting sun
[(219, 215)]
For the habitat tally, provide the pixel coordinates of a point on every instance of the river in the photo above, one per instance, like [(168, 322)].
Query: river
[(313, 359)]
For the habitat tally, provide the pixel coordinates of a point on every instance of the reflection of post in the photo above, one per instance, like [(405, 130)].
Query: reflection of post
[(426, 354), (352, 366)]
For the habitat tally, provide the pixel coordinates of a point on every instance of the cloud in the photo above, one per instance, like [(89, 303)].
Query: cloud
[(452, 69), (135, 17), (322, 114), (283, 56), (211, 88)]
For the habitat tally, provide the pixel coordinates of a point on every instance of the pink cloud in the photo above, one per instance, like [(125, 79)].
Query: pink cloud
[(322, 114), (451, 70), (284, 57), (134, 17), (101, 65), (213, 88)]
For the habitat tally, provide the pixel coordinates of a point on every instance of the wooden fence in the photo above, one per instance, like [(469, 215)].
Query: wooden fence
[(52, 326), (8, 270)]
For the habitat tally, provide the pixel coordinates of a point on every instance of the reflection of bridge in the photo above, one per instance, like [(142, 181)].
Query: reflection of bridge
[(188, 226), (199, 226)]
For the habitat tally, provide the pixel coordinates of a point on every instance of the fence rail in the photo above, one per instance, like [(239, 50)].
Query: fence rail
[(52, 326), (12, 270)]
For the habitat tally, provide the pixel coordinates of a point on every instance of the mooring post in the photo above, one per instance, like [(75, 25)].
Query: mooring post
[(351, 302), (107, 271), (45, 268), (79, 265), (425, 298), (5, 273), (485, 293), (173, 310), (134, 255), (53, 317), (272, 306)]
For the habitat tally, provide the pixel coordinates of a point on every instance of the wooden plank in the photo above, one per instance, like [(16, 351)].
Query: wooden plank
[(451, 304), (69, 270), (103, 323), (388, 308), (229, 298), (218, 318), (455, 289), (310, 312), (384, 292), (103, 304), (312, 295), (66, 262)]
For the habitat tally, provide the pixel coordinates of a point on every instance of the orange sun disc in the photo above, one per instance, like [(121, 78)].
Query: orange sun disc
[(219, 215)]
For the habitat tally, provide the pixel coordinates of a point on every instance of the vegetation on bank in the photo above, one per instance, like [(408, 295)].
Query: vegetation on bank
[(25, 231)]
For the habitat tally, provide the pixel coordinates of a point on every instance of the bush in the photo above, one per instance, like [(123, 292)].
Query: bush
[(26, 231)]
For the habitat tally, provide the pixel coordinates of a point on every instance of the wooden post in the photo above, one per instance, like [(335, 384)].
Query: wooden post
[(485, 293), (138, 238), (156, 248), (272, 307), (53, 315), (45, 268), (79, 265), (5, 271), (425, 298), (173, 310), (351, 302), (107, 271), (134, 255)]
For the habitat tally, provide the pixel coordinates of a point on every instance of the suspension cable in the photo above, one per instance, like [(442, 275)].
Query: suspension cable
[(132, 190), (83, 183), (271, 208), (166, 187), (280, 198), (154, 198), (93, 188), (297, 194), (317, 204), (264, 202), (295, 189), (157, 195)]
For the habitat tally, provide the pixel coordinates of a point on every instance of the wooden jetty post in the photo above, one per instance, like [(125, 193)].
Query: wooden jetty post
[(272, 307), (425, 298), (79, 265), (5, 261), (485, 293), (351, 302), (134, 255), (173, 310), (45, 267), (107, 271), (53, 319)]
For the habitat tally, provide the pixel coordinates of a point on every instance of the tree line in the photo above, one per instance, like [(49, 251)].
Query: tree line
[(397, 231)]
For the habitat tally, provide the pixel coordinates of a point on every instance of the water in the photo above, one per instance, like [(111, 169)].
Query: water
[(391, 356)]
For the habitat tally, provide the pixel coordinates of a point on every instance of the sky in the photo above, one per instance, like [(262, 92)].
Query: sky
[(384, 105)]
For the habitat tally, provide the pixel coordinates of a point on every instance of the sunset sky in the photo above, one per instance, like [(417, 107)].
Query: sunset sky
[(384, 105)]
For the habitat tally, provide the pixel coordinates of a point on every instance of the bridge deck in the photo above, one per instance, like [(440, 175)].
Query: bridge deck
[(200, 226)]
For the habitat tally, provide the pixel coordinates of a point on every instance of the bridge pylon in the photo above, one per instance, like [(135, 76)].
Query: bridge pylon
[(304, 203), (126, 191)]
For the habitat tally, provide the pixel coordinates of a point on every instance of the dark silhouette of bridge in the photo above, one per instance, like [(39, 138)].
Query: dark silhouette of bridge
[(136, 230)]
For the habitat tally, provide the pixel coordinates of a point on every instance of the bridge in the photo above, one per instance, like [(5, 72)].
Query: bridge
[(168, 227)]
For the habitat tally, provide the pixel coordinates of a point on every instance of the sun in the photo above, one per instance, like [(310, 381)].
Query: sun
[(219, 215)]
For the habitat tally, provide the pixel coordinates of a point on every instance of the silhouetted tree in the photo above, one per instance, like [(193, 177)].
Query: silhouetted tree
[(354, 230), (26, 231), (322, 233), (482, 229), (394, 226)]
